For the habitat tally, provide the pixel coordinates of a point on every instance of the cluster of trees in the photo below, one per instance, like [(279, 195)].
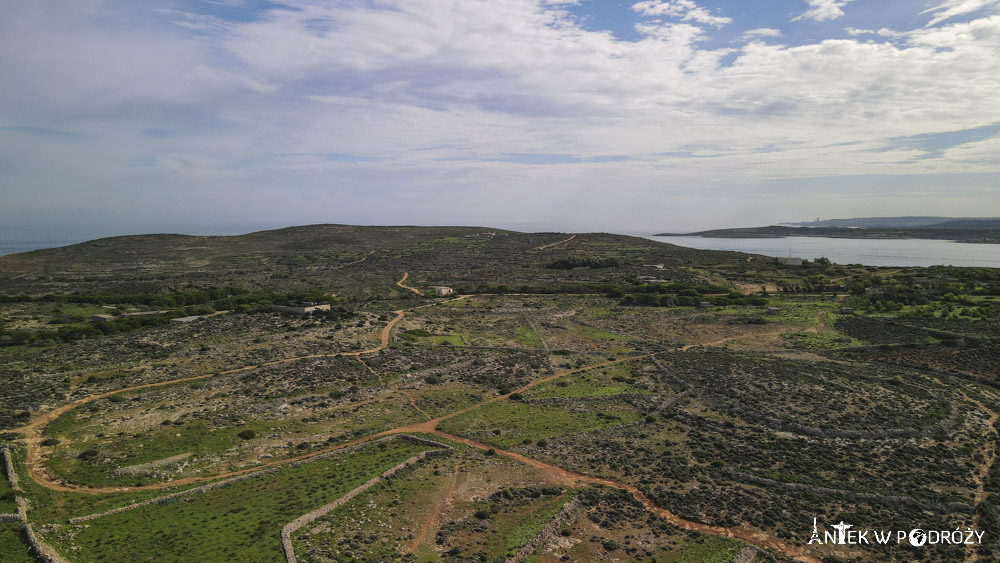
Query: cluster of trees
[(895, 294), (576, 288), (219, 298), (585, 288), (690, 296), (570, 262), (178, 304), (79, 332)]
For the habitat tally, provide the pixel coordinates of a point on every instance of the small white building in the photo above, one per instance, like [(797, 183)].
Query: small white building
[(303, 309), (443, 291), (790, 261)]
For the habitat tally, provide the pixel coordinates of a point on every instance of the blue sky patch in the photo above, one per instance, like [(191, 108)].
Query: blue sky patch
[(933, 145)]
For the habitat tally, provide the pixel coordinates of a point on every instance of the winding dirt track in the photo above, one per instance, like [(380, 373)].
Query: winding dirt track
[(413, 289), (365, 257), (34, 433), (550, 245), (438, 511), (573, 478), (983, 471)]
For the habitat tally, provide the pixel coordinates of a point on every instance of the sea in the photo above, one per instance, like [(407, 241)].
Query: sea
[(24, 238), (868, 252)]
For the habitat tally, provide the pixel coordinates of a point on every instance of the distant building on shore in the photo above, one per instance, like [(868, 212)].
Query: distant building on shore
[(443, 291), (302, 309), (790, 261)]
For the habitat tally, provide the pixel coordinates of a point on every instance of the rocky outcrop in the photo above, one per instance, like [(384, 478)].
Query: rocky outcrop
[(852, 495), (746, 555), (145, 467)]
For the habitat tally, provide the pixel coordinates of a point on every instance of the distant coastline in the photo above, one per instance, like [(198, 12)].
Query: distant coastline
[(972, 236), (885, 252), (15, 239)]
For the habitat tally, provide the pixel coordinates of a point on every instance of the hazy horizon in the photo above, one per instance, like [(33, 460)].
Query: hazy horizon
[(575, 115)]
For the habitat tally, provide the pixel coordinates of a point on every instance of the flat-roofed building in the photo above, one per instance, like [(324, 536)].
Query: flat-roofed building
[(135, 314), (302, 309)]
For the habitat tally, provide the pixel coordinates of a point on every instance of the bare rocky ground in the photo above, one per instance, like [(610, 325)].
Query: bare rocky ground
[(594, 415)]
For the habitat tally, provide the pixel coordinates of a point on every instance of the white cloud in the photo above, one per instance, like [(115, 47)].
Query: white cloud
[(686, 10), (761, 32), (440, 90), (883, 32), (952, 8), (823, 10)]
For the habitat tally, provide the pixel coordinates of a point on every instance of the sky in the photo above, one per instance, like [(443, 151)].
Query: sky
[(588, 115)]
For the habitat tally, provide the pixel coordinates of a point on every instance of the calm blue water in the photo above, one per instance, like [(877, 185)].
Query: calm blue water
[(15, 239), (870, 252)]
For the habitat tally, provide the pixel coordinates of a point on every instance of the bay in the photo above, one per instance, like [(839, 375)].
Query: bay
[(868, 252)]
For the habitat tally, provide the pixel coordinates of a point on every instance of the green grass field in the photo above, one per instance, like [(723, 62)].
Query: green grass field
[(13, 547), (373, 525), (704, 549), (605, 382), (522, 529), (239, 522), (508, 423), (7, 505), (441, 400)]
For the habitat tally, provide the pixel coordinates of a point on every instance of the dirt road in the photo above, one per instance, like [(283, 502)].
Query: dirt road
[(550, 245), (572, 478), (413, 289), (34, 433)]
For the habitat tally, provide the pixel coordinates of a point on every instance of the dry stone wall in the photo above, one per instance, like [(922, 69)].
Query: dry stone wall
[(217, 484), (41, 549), (305, 519), (548, 533), (9, 469)]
